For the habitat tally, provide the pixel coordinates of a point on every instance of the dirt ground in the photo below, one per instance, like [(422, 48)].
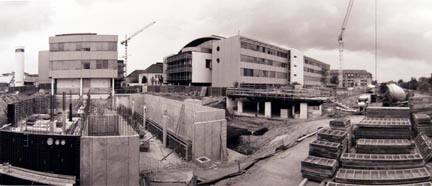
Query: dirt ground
[(283, 168)]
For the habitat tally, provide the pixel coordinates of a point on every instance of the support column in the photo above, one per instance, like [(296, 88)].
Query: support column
[(81, 87), (239, 106), (267, 109), (113, 90), (257, 108), (303, 111), (293, 111), (229, 105), (164, 128), (52, 86), (144, 116)]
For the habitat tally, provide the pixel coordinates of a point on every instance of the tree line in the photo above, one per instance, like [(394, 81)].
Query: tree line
[(422, 84)]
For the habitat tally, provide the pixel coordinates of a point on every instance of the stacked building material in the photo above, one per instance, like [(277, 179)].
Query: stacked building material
[(424, 145), (340, 124), (317, 168), (336, 136), (378, 177), (384, 146), (412, 184), (384, 128), (422, 124), (388, 112), (325, 149), (381, 161)]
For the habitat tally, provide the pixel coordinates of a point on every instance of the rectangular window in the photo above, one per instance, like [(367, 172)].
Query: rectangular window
[(86, 64), (208, 63), (101, 64)]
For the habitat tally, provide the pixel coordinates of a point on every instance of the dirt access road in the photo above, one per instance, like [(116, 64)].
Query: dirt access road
[(283, 168)]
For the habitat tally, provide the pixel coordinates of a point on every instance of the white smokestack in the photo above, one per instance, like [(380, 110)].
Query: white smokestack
[(19, 66)]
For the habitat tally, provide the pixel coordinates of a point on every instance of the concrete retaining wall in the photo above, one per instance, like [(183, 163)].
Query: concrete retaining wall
[(109, 160), (204, 126)]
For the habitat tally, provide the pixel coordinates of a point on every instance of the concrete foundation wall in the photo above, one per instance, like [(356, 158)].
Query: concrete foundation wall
[(109, 160), (184, 118)]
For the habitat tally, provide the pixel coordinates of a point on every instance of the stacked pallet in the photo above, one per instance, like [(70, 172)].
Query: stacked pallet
[(412, 184), (422, 124), (384, 128), (317, 168), (381, 161), (384, 146), (325, 149), (424, 145), (388, 112), (378, 177)]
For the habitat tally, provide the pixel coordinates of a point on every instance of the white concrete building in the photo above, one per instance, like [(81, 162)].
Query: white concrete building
[(82, 63), (152, 75), (243, 62)]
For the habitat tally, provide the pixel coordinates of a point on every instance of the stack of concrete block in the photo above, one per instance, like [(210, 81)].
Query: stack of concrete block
[(422, 124), (384, 146), (384, 128), (424, 145), (336, 136), (325, 149), (382, 177), (388, 112), (381, 161), (340, 124), (318, 168)]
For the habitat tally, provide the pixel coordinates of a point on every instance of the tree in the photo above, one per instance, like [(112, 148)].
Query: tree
[(424, 86), (413, 84), (400, 82)]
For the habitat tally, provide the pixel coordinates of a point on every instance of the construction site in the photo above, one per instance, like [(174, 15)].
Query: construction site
[(219, 110)]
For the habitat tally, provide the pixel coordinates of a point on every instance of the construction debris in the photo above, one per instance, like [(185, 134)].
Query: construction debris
[(318, 169)]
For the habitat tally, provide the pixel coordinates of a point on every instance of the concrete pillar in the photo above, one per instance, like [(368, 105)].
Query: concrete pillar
[(284, 113), (293, 111), (113, 91), (240, 106), (303, 110), (144, 116), (164, 128), (267, 109), (257, 108), (52, 86), (229, 105), (81, 87)]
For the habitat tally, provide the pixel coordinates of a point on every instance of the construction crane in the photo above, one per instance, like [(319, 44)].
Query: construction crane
[(341, 41), (125, 42)]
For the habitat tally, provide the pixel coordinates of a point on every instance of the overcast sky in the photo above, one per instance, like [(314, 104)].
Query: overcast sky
[(404, 29)]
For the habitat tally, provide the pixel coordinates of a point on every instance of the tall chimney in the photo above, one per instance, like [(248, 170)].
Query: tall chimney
[(19, 66)]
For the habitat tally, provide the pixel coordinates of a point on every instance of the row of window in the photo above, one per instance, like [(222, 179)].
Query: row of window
[(258, 48), (83, 46), (257, 60), (83, 64), (247, 72), (311, 70), (315, 63), (311, 78)]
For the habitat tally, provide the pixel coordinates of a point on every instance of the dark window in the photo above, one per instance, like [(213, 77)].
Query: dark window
[(208, 63), (101, 64), (86, 64), (217, 48), (247, 72), (217, 60)]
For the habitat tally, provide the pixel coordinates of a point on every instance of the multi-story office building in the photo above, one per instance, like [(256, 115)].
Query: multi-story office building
[(316, 72), (82, 63), (192, 65), (353, 78), (244, 62)]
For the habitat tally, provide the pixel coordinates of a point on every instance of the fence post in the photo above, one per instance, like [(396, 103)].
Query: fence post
[(144, 124)]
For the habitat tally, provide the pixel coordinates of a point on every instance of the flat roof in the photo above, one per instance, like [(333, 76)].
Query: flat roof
[(76, 34)]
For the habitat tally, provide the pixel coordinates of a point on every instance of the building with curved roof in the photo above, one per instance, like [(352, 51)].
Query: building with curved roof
[(192, 64)]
